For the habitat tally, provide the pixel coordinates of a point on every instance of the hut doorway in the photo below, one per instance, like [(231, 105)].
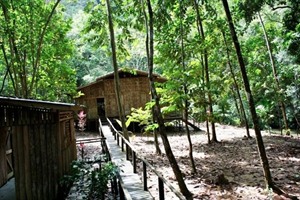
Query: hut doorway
[(101, 107)]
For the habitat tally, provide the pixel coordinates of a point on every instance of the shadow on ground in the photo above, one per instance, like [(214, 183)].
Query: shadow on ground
[(235, 158)]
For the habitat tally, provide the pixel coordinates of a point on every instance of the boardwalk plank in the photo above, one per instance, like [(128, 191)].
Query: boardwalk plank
[(130, 181)]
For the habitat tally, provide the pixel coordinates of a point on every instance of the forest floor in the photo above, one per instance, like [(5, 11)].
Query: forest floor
[(235, 157)]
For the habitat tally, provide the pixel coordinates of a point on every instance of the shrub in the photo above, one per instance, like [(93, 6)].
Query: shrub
[(92, 182)]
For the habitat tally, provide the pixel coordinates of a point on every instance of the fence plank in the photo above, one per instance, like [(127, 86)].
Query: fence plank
[(50, 163), (39, 171), (44, 161), (27, 168), (3, 169), (17, 162), (33, 161), (54, 141), (59, 150)]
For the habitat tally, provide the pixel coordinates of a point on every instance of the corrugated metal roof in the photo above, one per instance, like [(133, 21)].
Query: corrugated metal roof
[(38, 103)]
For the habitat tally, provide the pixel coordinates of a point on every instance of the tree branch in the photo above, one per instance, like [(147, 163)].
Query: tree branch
[(7, 70), (281, 7), (40, 44)]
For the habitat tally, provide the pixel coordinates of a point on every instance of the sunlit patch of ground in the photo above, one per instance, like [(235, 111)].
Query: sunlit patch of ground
[(234, 157)]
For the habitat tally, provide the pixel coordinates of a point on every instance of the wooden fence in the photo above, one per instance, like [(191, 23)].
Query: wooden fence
[(40, 137)]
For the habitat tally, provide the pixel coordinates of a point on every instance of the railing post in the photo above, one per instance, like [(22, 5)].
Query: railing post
[(134, 161), (118, 139), (122, 144), (161, 191), (121, 192), (127, 152), (145, 176), (114, 186)]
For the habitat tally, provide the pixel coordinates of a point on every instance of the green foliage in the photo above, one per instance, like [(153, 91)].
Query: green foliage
[(77, 172), (96, 180), (99, 180), (89, 60), (143, 117), (35, 51), (176, 23)]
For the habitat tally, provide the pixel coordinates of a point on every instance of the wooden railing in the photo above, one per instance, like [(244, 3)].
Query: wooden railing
[(126, 146)]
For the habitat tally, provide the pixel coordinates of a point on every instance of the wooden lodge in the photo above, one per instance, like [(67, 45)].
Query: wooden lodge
[(37, 145), (100, 97)]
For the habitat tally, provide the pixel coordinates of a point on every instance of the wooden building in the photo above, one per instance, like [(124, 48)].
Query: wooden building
[(37, 145), (100, 97)]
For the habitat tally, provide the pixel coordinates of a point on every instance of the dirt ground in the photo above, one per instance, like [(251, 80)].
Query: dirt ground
[(234, 157)]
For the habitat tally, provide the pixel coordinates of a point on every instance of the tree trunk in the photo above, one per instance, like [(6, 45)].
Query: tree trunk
[(116, 72), (278, 88), (156, 144), (259, 140), (244, 117), (157, 149), (204, 105), (36, 65), (23, 85), (160, 120), (194, 170), (186, 103), (237, 105), (210, 112), (8, 71)]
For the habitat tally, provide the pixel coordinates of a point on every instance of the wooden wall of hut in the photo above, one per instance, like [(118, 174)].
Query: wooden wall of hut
[(89, 99), (43, 146), (135, 93)]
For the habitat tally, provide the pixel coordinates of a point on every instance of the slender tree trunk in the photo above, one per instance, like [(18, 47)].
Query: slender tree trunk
[(23, 86), (278, 88), (156, 144), (207, 127), (244, 117), (40, 48), (7, 69), (157, 149), (186, 103), (116, 72), (204, 105), (237, 105), (210, 112), (259, 139), (160, 120), (186, 115), (12, 49)]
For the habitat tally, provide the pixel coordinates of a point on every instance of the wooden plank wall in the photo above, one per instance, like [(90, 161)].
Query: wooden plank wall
[(3, 168), (3, 135), (43, 148), (135, 93), (111, 106), (91, 93), (67, 141)]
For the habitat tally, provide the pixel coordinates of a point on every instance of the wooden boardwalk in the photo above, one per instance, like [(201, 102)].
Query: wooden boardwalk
[(131, 182)]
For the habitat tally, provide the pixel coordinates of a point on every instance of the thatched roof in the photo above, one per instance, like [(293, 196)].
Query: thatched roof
[(123, 73)]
